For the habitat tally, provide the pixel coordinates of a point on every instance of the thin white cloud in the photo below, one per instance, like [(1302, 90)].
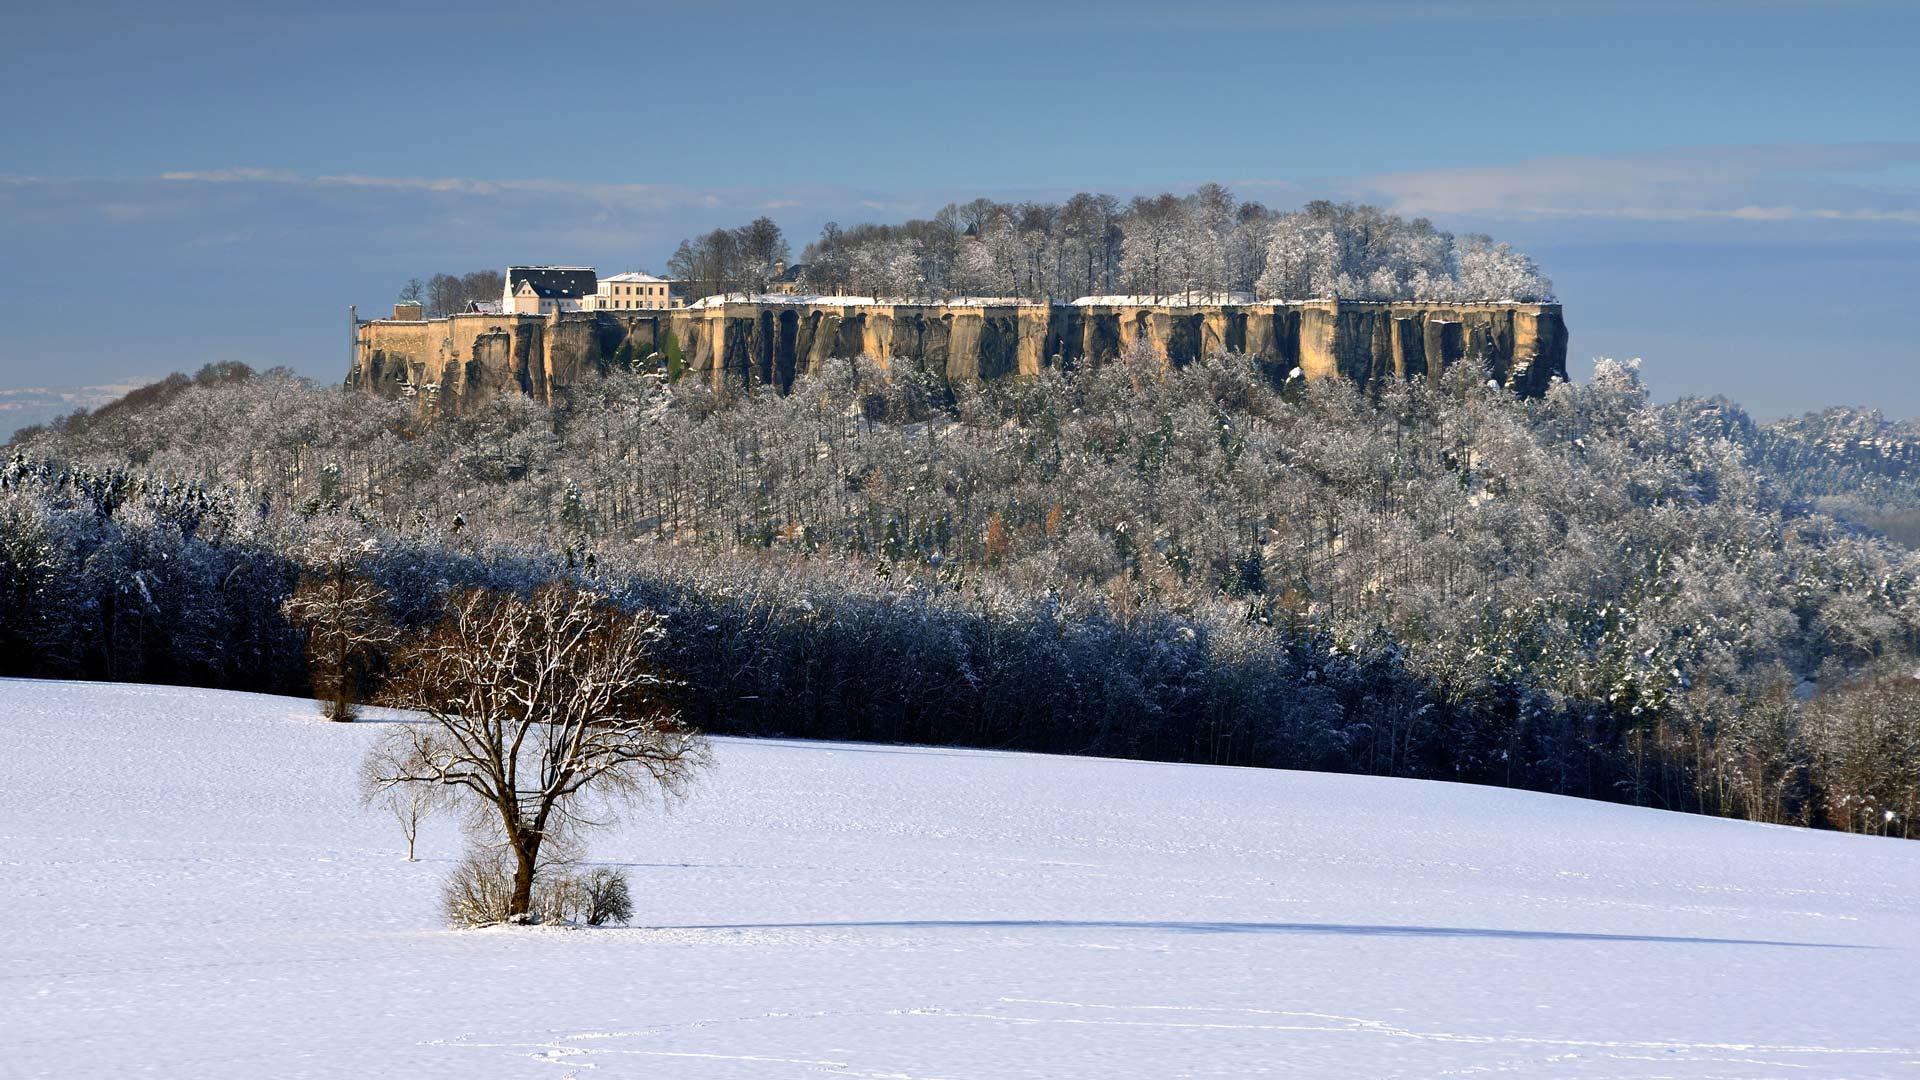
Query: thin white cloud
[(1905, 217), (274, 217), (232, 176), (657, 194), (265, 214), (1741, 183)]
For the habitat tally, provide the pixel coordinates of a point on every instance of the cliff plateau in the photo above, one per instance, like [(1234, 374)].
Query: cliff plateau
[(449, 364)]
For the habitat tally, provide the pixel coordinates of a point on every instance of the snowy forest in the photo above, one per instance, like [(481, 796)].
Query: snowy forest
[(1590, 593), (1206, 244)]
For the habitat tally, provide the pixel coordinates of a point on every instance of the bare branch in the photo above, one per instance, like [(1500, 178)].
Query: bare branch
[(534, 705)]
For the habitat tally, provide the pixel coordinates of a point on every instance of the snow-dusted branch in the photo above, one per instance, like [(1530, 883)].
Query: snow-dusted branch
[(539, 709)]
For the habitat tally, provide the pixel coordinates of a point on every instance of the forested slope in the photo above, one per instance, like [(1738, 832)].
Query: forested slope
[(1586, 594)]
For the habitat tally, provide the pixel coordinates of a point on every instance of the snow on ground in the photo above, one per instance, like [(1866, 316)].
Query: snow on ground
[(191, 889)]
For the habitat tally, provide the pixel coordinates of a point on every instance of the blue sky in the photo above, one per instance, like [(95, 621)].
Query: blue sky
[(1728, 188)]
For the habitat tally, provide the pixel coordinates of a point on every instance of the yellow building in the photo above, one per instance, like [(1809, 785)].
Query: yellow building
[(788, 280), (625, 292)]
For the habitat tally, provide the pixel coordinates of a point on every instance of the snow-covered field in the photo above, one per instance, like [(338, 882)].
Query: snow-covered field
[(191, 889)]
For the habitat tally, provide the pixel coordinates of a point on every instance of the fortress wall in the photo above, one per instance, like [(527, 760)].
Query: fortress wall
[(453, 362), (456, 359), (390, 354)]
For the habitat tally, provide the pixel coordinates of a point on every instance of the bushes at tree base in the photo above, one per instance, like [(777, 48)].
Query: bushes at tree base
[(478, 891)]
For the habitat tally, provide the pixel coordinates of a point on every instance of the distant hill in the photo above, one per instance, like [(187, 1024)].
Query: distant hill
[(76, 411), (27, 406), (1853, 464)]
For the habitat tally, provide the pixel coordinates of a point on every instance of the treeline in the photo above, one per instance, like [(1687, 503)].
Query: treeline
[(141, 400), (1852, 463), (729, 260), (1586, 594), (1207, 243), (448, 294)]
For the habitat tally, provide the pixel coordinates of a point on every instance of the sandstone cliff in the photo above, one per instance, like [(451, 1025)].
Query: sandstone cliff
[(448, 364)]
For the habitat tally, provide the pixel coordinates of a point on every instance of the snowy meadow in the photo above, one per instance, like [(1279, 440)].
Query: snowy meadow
[(196, 891)]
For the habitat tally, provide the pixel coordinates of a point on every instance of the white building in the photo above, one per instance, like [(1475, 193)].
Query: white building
[(626, 292), (543, 290)]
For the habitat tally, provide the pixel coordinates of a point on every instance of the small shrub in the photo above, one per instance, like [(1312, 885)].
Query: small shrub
[(595, 898), (479, 892), (607, 897), (559, 898)]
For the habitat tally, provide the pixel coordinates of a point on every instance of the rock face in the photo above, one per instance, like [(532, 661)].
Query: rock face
[(449, 364)]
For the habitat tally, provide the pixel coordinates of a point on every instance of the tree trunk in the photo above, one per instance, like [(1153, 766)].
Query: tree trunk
[(340, 680), (526, 855)]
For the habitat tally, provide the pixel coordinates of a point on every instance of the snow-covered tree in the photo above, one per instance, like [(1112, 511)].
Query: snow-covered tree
[(1148, 248), (1490, 271), (1201, 244)]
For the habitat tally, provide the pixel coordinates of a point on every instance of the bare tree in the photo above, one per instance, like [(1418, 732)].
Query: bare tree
[(545, 713), (410, 804), (345, 617), (444, 296), (761, 247), (1867, 752), (481, 285)]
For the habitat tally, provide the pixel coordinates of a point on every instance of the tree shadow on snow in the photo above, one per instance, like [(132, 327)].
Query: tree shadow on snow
[(832, 746), (1346, 929)]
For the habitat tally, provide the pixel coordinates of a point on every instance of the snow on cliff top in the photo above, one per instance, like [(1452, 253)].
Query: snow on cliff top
[(1170, 299), (193, 890), (825, 300)]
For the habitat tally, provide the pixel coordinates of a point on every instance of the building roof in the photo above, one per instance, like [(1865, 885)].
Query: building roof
[(791, 275), (632, 276), (553, 282)]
